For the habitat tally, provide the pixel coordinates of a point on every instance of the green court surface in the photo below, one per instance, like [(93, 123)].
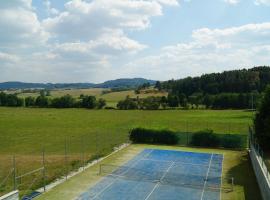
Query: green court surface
[(235, 164)]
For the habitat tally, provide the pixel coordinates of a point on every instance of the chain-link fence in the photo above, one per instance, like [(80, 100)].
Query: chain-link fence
[(30, 171), (259, 165)]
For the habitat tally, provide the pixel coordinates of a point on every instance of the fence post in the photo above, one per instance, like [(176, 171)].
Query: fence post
[(44, 170), (232, 183), (14, 173), (83, 161), (96, 143), (66, 157)]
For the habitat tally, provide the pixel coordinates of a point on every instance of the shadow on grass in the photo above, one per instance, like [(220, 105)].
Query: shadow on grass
[(244, 176)]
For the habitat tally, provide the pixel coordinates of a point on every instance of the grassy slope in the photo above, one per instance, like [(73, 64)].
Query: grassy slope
[(235, 164)]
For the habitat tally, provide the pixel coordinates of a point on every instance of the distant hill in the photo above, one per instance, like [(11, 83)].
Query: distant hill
[(119, 83), (125, 82)]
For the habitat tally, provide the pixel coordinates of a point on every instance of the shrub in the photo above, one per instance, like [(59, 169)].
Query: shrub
[(205, 138), (232, 141), (150, 136)]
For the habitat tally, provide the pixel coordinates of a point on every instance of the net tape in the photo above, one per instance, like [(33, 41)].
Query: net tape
[(162, 177)]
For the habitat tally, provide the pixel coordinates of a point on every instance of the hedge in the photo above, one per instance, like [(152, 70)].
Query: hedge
[(150, 136), (205, 138)]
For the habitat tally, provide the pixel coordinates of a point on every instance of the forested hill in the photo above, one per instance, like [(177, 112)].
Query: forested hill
[(118, 83), (236, 81)]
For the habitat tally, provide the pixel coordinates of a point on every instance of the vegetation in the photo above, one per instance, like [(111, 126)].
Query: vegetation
[(42, 101), (150, 136), (230, 89), (262, 121)]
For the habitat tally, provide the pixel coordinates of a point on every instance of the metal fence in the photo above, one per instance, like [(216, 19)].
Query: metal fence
[(34, 170), (259, 166)]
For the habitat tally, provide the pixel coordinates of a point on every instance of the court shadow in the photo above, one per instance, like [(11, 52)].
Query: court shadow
[(244, 176)]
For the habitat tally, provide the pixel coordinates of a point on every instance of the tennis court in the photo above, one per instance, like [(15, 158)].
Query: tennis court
[(161, 174)]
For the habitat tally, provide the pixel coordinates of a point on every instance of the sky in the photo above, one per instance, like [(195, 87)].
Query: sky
[(98, 40)]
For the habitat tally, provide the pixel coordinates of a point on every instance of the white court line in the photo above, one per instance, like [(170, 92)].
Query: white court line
[(159, 182), (205, 181), (121, 174), (184, 163)]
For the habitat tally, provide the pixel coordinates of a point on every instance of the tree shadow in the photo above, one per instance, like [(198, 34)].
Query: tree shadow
[(244, 176)]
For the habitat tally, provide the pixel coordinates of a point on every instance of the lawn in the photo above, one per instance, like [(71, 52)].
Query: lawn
[(71, 137), (236, 164)]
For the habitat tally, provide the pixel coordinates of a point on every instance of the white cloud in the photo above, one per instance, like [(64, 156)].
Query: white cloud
[(232, 1), (85, 20), (50, 10), (262, 2), (210, 50), (8, 58), (20, 25)]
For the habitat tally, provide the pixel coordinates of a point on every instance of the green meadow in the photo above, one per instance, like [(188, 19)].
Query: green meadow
[(72, 137)]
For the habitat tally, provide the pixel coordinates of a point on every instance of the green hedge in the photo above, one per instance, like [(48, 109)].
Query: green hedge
[(206, 138), (150, 136)]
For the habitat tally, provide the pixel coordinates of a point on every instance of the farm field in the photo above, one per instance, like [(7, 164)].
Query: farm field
[(112, 98), (236, 164), (72, 137)]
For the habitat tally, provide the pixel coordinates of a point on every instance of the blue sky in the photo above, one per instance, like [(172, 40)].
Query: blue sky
[(97, 40)]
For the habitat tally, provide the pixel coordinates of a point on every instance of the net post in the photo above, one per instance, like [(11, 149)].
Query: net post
[(99, 173)]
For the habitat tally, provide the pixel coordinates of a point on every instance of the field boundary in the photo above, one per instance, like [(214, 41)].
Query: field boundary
[(80, 170)]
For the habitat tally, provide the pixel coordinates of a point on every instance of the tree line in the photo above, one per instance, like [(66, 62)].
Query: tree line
[(43, 101), (229, 89)]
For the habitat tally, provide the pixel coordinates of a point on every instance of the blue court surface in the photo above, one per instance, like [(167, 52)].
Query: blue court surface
[(161, 175)]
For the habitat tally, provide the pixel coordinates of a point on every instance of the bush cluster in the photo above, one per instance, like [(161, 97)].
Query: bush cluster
[(150, 136), (207, 138)]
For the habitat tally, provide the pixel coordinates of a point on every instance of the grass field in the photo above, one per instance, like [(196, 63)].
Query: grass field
[(112, 98), (72, 137), (236, 164)]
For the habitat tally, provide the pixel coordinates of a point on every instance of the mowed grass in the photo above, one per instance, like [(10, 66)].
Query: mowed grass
[(24, 129), (236, 164), (72, 137)]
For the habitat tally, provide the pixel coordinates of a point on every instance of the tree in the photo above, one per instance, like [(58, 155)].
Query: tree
[(66, 101), (164, 102), (48, 93), (29, 101), (127, 104), (42, 102), (101, 103), (42, 93), (262, 121), (158, 85), (173, 100), (89, 102), (151, 103)]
